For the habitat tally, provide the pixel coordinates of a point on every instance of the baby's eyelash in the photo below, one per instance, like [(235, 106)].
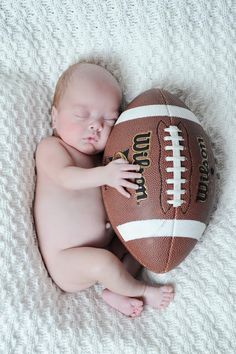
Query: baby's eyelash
[(111, 121), (79, 117)]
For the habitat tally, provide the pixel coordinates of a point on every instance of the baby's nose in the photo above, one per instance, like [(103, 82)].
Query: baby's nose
[(96, 125)]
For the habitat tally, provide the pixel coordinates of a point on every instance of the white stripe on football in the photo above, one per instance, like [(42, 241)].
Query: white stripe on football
[(156, 110), (161, 228)]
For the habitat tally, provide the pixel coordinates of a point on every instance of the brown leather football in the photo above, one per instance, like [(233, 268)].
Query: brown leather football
[(163, 220)]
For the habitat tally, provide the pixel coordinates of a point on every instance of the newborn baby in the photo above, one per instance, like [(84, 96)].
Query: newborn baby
[(75, 237)]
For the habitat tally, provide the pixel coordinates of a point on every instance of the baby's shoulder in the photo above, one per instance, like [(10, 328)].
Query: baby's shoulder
[(48, 143), (51, 150)]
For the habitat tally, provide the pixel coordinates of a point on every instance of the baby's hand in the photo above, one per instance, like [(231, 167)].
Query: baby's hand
[(118, 172)]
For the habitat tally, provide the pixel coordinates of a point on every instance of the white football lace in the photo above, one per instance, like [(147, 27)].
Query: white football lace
[(177, 169)]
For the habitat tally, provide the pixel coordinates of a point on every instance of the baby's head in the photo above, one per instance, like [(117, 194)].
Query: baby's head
[(85, 107)]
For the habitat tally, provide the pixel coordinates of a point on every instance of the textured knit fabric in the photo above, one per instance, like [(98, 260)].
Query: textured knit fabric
[(186, 47)]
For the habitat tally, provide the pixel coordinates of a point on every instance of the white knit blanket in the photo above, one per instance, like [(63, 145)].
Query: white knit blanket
[(186, 47)]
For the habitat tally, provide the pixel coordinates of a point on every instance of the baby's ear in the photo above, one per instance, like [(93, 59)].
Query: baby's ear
[(54, 116)]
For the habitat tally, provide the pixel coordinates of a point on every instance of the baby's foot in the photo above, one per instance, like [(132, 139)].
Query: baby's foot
[(158, 297), (127, 305)]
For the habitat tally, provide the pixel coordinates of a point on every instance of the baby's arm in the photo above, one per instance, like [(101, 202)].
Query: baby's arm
[(53, 158)]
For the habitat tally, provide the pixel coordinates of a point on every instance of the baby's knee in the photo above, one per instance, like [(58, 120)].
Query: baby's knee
[(103, 262), (68, 285), (79, 268)]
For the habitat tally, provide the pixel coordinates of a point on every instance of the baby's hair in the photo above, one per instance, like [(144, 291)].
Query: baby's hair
[(62, 84), (64, 80)]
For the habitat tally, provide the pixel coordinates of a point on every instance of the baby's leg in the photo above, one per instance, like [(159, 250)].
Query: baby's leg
[(78, 268), (158, 297), (127, 305)]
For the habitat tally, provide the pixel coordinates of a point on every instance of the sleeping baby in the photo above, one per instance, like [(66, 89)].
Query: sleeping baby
[(75, 237)]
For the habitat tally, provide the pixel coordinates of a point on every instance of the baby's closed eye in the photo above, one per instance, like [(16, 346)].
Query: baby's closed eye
[(110, 121), (79, 117)]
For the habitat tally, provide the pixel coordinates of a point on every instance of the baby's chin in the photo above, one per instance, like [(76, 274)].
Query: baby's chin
[(90, 149)]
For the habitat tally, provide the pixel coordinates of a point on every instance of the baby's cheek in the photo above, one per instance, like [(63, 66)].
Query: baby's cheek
[(74, 130), (106, 136), (108, 131)]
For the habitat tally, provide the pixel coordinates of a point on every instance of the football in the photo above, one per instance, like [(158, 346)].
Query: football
[(165, 217)]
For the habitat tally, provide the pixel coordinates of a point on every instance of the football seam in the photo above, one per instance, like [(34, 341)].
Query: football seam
[(171, 246), (172, 238), (190, 176)]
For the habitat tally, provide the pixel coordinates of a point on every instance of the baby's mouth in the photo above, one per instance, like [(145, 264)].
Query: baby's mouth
[(91, 139)]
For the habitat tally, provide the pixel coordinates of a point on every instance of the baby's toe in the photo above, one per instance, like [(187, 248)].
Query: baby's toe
[(136, 312), (136, 302), (137, 306), (167, 289), (168, 296), (165, 302)]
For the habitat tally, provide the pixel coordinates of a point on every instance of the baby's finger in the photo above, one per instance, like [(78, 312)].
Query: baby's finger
[(131, 175), (121, 161), (123, 192), (130, 185), (130, 167)]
